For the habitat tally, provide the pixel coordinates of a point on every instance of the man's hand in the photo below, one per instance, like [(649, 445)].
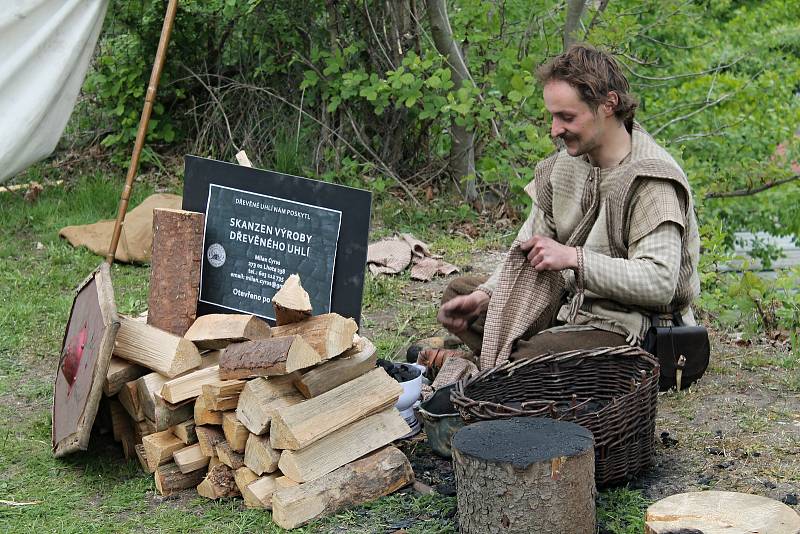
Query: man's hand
[(546, 254), (457, 314)]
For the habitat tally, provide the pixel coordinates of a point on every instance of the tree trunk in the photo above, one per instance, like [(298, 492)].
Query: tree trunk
[(573, 21), (462, 151), (522, 475)]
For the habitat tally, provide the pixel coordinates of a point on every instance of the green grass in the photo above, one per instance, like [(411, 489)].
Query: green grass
[(621, 511)]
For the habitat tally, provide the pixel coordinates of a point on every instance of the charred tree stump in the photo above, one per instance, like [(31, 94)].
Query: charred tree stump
[(525, 475)]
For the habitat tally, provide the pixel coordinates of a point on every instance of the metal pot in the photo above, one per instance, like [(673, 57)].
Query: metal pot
[(441, 420)]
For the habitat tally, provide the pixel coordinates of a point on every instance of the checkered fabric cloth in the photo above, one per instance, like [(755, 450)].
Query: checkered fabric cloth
[(638, 237)]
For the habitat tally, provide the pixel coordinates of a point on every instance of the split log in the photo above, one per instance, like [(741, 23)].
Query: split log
[(338, 371), (185, 432), (539, 472), (190, 459), (203, 415), (261, 397), (162, 414), (218, 330), (291, 303), (129, 398), (219, 483), (142, 456), (329, 334), (720, 511), (267, 357), (169, 479), (159, 447), (243, 476), (259, 455), (190, 385), (207, 438), (119, 373), (223, 395), (154, 348), (364, 480), (343, 446), (298, 426), (235, 432), (175, 269), (228, 456), (258, 494)]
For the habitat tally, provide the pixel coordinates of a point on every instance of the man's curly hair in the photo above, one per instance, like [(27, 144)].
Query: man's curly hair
[(593, 73)]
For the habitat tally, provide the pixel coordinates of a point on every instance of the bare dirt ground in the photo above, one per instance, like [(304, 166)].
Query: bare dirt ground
[(737, 429)]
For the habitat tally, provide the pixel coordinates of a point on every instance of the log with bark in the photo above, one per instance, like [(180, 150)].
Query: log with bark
[(175, 269), (329, 334), (267, 357), (378, 474), (523, 475), (169, 479)]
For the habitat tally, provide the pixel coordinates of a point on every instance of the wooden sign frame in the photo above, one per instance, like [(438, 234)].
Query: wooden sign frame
[(85, 355)]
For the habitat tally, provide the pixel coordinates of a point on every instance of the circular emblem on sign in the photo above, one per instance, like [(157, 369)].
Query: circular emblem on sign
[(216, 255)]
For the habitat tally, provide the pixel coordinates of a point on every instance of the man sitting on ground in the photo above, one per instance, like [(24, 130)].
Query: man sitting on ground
[(611, 241)]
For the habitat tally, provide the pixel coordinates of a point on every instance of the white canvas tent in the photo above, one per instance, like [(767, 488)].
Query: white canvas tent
[(45, 49)]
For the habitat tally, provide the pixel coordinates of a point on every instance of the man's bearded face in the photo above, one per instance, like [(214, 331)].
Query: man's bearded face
[(574, 122)]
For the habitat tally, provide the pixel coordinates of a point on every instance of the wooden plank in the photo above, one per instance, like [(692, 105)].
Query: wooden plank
[(218, 483), (119, 373), (258, 494), (207, 438), (261, 397), (190, 459), (338, 371), (218, 330), (378, 474), (129, 398), (267, 357), (298, 426), (291, 303), (343, 446), (176, 258), (228, 456), (185, 432), (259, 455), (170, 479), (329, 334), (190, 385), (235, 432), (154, 348), (159, 447)]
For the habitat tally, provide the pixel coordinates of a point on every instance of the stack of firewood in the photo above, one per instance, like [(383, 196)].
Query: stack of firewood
[(294, 418)]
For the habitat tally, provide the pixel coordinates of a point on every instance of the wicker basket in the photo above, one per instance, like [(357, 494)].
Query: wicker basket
[(610, 391)]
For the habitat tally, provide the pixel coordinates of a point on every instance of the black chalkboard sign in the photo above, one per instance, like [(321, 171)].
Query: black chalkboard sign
[(263, 226)]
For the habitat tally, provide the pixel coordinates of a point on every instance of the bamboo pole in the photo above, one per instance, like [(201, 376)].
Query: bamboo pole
[(144, 121)]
